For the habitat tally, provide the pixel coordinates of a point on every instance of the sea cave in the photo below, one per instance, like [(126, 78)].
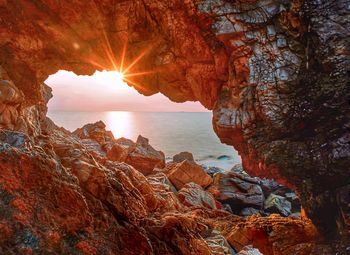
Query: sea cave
[(275, 75)]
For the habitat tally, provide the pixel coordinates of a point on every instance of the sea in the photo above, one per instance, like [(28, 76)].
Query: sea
[(170, 132)]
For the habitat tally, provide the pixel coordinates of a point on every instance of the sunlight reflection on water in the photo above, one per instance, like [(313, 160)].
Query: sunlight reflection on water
[(169, 132), (120, 123)]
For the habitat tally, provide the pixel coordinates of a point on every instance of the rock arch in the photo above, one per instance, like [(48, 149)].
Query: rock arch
[(275, 73)]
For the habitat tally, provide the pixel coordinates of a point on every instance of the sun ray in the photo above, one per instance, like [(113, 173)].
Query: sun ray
[(138, 74), (121, 68), (136, 60), (97, 64)]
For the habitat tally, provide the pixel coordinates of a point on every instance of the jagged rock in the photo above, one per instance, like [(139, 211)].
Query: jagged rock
[(15, 139), (140, 155), (278, 204), (119, 149), (144, 157), (294, 200), (274, 72), (238, 168), (214, 170), (160, 179), (185, 155), (165, 192), (268, 186), (95, 131), (193, 195), (271, 237), (249, 250), (239, 191), (182, 173), (10, 99), (218, 244)]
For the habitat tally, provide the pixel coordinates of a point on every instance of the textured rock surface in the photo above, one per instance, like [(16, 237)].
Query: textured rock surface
[(185, 155), (58, 196), (185, 172), (193, 195), (274, 72), (238, 191), (278, 204)]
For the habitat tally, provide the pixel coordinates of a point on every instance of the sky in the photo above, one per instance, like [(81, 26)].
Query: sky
[(105, 91)]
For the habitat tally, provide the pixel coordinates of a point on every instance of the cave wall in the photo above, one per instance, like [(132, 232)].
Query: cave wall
[(274, 72)]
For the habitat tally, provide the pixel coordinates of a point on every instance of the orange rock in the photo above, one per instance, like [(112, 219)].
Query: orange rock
[(144, 157), (185, 172), (193, 195)]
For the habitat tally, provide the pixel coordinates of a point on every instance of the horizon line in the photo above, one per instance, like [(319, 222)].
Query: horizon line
[(57, 110)]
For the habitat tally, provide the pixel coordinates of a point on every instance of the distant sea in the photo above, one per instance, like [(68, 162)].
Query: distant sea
[(170, 132)]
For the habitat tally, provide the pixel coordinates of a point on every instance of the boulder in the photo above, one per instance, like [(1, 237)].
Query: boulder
[(273, 235), (278, 204), (182, 173), (118, 150), (239, 191), (95, 131), (140, 155), (193, 195), (144, 157), (185, 155)]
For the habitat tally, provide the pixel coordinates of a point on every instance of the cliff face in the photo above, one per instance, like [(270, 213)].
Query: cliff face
[(275, 73)]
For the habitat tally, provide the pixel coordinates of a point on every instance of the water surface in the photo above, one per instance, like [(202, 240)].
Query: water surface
[(170, 132)]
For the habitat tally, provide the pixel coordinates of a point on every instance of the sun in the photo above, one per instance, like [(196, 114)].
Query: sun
[(119, 76), (123, 70)]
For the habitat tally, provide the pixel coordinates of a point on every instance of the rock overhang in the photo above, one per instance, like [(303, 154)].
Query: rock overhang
[(265, 68)]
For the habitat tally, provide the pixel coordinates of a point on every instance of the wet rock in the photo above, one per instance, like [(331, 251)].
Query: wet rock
[(193, 195), (182, 173), (238, 168), (268, 186), (185, 155), (144, 157), (238, 191), (294, 200), (278, 204), (213, 170)]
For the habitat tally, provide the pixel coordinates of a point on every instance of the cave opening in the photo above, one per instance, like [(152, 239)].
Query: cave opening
[(171, 127)]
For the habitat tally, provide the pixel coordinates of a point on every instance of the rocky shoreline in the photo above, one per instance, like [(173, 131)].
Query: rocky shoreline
[(88, 193)]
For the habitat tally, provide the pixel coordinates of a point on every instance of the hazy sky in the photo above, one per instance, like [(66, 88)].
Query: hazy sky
[(103, 91)]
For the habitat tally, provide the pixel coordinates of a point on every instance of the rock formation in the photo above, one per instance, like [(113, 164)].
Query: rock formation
[(274, 72), (66, 197)]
